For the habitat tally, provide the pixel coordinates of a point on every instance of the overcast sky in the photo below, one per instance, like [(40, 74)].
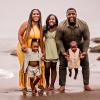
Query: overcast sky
[(14, 12)]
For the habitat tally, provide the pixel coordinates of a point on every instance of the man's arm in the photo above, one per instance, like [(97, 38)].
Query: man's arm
[(58, 38)]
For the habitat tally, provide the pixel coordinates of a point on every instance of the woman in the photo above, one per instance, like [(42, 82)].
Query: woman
[(51, 55), (32, 29)]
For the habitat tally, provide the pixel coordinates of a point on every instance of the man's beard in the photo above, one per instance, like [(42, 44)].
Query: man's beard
[(72, 23)]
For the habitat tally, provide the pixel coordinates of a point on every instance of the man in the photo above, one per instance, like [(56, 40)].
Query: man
[(73, 29)]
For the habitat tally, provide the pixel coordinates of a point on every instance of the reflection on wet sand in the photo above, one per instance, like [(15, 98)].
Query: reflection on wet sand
[(39, 92)]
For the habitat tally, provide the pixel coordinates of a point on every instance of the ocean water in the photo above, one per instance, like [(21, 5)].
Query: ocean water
[(8, 63)]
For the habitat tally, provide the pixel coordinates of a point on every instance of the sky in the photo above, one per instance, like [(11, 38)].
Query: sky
[(14, 12)]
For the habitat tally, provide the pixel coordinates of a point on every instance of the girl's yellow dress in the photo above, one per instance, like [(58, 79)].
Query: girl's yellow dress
[(34, 34)]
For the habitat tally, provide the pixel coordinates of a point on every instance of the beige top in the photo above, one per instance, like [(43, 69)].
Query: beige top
[(50, 46), (31, 56), (74, 59)]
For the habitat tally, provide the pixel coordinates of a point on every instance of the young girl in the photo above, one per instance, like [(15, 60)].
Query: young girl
[(32, 64), (51, 53)]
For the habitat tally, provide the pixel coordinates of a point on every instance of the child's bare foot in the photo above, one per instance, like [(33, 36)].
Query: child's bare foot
[(24, 91), (34, 92), (70, 74), (75, 77), (51, 87), (40, 92)]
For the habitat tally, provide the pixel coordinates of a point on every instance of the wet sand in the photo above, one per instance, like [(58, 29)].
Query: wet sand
[(9, 89)]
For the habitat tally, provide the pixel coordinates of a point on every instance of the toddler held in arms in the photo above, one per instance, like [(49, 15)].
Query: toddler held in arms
[(74, 56)]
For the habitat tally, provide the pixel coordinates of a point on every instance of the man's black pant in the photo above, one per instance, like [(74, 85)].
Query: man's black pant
[(62, 70)]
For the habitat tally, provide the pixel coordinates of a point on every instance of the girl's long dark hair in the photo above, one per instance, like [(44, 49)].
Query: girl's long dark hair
[(47, 27)]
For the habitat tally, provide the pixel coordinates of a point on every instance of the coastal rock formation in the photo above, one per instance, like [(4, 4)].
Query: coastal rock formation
[(13, 52), (96, 39), (95, 49), (98, 58)]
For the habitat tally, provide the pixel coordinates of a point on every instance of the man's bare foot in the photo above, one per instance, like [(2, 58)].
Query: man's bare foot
[(87, 88), (61, 89)]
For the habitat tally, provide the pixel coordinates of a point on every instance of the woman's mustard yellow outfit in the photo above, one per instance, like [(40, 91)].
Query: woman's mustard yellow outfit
[(34, 34)]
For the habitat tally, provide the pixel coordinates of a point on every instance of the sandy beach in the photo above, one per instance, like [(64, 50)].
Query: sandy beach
[(13, 14), (9, 89)]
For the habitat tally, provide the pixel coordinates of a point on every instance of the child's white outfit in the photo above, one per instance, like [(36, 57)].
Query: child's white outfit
[(33, 71), (74, 59), (32, 56)]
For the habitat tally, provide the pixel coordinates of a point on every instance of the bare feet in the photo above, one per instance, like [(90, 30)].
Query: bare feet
[(61, 89), (34, 91), (51, 88), (24, 91), (87, 88), (75, 77), (40, 92), (46, 88), (70, 74)]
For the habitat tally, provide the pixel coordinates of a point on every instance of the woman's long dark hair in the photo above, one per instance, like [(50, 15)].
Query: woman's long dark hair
[(47, 27), (30, 24)]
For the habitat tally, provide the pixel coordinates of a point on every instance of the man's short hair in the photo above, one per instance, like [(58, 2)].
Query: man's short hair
[(71, 9)]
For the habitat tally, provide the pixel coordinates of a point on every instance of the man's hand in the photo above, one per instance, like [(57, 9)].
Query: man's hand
[(82, 55), (65, 55)]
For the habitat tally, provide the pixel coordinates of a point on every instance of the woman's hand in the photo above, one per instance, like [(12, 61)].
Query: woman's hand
[(24, 49), (65, 55), (43, 56)]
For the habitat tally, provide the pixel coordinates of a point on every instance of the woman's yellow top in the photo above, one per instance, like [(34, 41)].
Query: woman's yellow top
[(34, 34)]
